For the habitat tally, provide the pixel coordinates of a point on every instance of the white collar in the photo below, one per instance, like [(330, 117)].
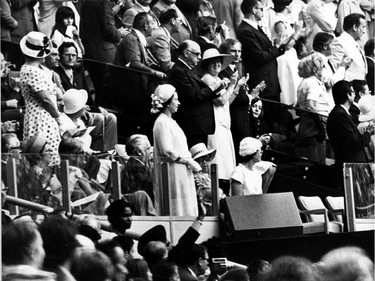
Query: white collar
[(141, 37), (347, 110), (252, 23), (192, 272), (205, 39)]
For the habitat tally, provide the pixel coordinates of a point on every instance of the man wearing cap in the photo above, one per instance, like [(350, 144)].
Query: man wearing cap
[(195, 115), (347, 142)]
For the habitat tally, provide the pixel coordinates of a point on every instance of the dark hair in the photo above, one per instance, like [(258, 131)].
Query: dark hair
[(59, 239), (140, 20), (224, 47), (369, 47), (351, 20), (204, 24), (66, 45), (91, 265), (183, 46), (248, 5), (205, 63), (126, 243), (5, 139), (62, 13), (321, 39), (254, 101), (17, 241), (340, 91), (280, 5), (191, 253), (163, 271), (70, 145), (116, 209), (137, 268), (167, 15), (358, 86)]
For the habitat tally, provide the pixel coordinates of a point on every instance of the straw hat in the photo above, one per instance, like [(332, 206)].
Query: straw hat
[(249, 146), (200, 150), (212, 53), (74, 100), (36, 45), (366, 105)]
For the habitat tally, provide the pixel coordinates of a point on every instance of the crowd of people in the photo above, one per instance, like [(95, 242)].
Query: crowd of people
[(224, 68), (71, 247)]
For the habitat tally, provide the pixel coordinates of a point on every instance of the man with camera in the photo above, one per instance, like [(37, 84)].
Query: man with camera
[(209, 31)]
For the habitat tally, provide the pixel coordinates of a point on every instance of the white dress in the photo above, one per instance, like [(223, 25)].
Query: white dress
[(222, 139), (169, 138)]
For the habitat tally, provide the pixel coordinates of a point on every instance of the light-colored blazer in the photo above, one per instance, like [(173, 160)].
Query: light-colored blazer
[(345, 46)]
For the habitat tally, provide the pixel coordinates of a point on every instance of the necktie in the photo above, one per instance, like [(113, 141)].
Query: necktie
[(331, 66)]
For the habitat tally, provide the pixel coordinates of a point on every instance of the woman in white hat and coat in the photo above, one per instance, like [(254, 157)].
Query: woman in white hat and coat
[(41, 115), (170, 145), (212, 64)]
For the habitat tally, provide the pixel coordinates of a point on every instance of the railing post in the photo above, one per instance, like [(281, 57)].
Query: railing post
[(214, 191), (12, 183), (65, 186), (165, 189), (116, 180)]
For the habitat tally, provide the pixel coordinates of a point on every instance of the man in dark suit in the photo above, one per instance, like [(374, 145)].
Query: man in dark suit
[(370, 59), (195, 115), (259, 54), (194, 263), (347, 143), (206, 33)]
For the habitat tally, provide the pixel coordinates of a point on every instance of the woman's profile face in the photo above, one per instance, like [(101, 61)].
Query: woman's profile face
[(257, 108), (214, 66), (68, 21), (173, 106)]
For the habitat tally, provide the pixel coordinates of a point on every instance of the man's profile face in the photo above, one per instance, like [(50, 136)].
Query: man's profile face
[(258, 13), (52, 61), (193, 55), (124, 220), (69, 57), (360, 30)]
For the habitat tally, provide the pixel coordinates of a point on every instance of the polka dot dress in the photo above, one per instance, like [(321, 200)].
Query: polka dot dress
[(37, 120)]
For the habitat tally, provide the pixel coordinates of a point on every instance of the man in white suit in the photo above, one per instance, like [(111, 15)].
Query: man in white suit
[(346, 45)]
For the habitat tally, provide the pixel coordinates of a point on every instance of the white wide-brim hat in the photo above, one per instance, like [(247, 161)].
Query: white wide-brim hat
[(200, 150), (213, 53), (74, 100), (366, 105), (36, 45)]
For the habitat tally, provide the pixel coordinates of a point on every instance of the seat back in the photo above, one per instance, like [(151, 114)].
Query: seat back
[(335, 203), (312, 203)]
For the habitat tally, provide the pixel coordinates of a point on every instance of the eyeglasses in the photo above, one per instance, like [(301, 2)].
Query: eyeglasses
[(259, 8), (194, 53)]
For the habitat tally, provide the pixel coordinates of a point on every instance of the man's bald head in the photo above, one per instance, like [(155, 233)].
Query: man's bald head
[(190, 52)]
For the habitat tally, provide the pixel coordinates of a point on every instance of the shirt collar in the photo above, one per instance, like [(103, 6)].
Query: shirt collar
[(205, 39), (141, 37), (252, 23), (347, 110)]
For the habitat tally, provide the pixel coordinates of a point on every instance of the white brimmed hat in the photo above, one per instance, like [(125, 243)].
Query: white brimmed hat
[(200, 150), (366, 105), (212, 53), (36, 45), (249, 146), (162, 94), (74, 100)]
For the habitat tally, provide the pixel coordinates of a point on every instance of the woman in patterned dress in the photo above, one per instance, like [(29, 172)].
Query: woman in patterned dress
[(170, 145), (42, 117)]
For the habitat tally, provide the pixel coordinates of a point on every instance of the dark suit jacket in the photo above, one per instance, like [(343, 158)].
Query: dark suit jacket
[(204, 44), (370, 74), (78, 79), (347, 143), (98, 31), (195, 114), (23, 12), (185, 274), (259, 60)]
